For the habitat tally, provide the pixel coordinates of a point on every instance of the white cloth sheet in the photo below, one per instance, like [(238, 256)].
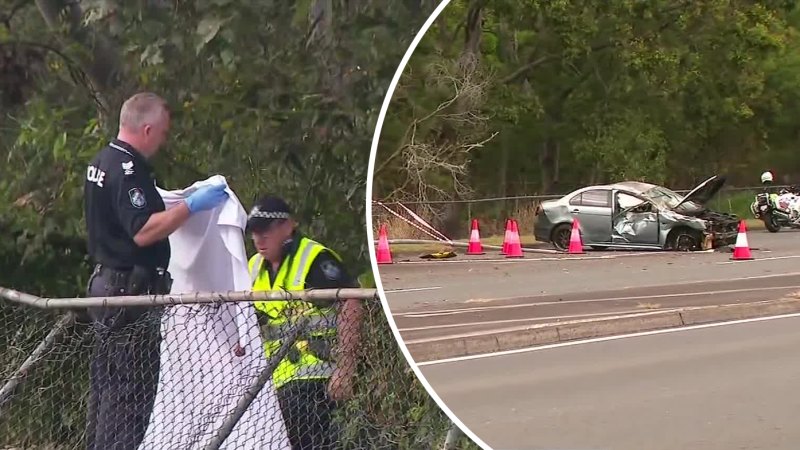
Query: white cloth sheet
[(201, 379)]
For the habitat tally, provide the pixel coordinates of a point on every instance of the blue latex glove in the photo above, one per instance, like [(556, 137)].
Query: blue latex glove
[(207, 197)]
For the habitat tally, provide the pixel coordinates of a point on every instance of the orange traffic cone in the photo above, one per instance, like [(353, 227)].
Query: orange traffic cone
[(741, 250), (575, 242), (475, 247), (384, 254), (514, 246), (506, 238)]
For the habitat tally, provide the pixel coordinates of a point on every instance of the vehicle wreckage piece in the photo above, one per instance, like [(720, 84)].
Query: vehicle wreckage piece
[(636, 215)]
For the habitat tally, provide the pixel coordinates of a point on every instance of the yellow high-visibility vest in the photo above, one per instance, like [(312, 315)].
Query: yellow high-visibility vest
[(305, 361)]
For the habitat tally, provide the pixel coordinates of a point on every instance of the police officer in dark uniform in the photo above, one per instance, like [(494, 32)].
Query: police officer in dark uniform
[(319, 371), (128, 229)]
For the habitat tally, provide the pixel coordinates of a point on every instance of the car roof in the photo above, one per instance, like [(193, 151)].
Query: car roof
[(631, 186), (634, 186)]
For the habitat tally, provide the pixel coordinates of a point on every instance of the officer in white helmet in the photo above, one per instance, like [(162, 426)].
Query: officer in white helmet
[(766, 181), (784, 199)]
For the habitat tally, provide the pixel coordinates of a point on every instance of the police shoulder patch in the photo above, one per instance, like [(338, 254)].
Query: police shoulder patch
[(331, 270), (127, 168), (137, 198)]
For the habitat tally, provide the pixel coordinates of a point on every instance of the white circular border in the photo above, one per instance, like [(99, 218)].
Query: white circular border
[(371, 240)]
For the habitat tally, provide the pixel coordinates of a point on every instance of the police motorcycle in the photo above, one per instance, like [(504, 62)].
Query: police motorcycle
[(777, 210)]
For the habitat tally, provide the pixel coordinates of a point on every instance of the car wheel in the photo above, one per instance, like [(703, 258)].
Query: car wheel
[(684, 240), (560, 236)]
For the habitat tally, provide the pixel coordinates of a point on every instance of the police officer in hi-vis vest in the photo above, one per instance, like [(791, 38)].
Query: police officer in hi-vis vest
[(319, 369)]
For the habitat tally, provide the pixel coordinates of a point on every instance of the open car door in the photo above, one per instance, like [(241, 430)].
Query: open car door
[(634, 220)]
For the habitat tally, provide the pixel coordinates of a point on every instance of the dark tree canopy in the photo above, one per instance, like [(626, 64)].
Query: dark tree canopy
[(539, 97)]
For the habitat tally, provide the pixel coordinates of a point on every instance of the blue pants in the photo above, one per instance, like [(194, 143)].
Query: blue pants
[(123, 371)]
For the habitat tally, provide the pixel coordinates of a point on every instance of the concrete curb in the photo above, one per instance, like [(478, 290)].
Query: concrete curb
[(552, 333)]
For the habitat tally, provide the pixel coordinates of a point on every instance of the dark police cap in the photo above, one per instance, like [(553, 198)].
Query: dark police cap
[(266, 211)]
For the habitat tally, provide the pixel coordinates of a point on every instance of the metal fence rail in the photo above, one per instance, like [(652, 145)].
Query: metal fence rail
[(185, 299), (208, 392), (551, 196)]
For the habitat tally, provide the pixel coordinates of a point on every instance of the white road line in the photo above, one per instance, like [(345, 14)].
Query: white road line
[(527, 319), (400, 291), (503, 299), (604, 339), (534, 326), (595, 300), (759, 259)]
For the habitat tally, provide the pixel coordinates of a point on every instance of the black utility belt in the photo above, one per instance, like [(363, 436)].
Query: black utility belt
[(138, 280)]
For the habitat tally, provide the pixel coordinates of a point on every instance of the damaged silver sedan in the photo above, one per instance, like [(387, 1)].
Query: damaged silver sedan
[(636, 215)]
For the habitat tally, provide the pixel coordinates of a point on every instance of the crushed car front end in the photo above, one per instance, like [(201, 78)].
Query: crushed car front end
[(721, 227), (711, 229), (716, 229)]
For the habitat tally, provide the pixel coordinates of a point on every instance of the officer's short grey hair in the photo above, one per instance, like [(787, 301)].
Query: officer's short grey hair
[(142, 109)]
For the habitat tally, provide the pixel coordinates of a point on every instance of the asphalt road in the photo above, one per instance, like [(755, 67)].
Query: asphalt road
[(720, 388), (442, 299), (517, 313)]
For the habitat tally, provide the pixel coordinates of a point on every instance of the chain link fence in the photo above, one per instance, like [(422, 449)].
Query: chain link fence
[(203, 372), (453, 216)]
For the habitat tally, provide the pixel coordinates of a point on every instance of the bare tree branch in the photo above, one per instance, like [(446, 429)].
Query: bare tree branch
[(412, 127), (78, 76), (435, 165), (101, 67), (513, 76), (6, 18)]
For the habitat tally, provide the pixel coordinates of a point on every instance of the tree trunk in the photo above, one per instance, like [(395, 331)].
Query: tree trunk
[(508, 48), (473, 30), (547, 165), (503, 169), (593, 178), (556, 167), (472, 38), (452, 224)]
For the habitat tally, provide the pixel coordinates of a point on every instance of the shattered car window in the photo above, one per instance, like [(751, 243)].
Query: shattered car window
[(625, 201), (663, 197)]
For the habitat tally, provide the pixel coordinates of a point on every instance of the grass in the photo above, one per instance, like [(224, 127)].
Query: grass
[(419, 249), (754, 224), (735, 203), (491, 226)]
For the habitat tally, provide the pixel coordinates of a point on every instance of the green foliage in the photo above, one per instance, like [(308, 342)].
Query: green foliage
[(667, 91), (279, 97)]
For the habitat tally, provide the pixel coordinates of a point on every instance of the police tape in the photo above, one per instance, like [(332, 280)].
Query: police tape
[(424, 223), (188, 298), (418, 227), (546, 251)]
